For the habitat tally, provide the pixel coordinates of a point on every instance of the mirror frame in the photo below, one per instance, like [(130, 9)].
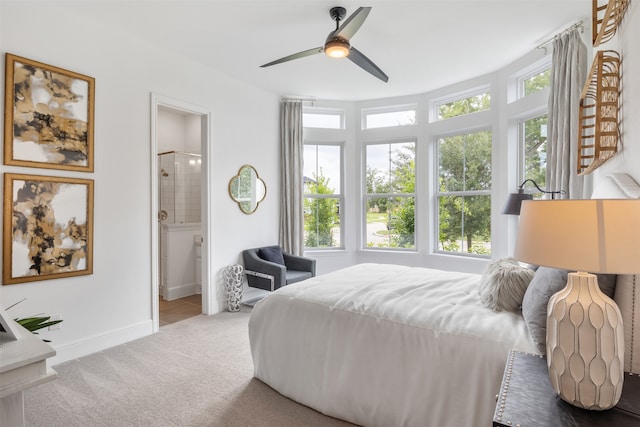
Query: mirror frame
[(241, 203)]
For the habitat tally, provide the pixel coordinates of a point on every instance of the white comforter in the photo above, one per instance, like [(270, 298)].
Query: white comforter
[(386, 345)]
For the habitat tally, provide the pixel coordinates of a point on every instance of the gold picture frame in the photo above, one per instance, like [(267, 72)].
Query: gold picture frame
[(48, 228), (49, 116)]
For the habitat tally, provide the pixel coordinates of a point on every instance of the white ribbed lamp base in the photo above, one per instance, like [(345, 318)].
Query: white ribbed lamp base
[(585, 344)]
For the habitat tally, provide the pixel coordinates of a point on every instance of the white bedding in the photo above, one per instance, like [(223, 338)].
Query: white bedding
[(386, 345)]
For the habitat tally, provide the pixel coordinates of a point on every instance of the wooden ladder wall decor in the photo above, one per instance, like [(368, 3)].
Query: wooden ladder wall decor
[(598, 131), (605, 19)]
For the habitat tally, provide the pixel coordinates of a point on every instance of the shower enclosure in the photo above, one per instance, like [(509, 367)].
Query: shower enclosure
[(179, 187), (179, 217)]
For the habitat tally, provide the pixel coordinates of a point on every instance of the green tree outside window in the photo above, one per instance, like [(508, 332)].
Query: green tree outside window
[(464, 202), (321, 214)]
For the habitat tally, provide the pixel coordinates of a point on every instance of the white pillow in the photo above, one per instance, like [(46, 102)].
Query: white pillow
[(503, 284), (627, 296)]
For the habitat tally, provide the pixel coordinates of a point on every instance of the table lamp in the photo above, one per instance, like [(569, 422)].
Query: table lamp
[(585, 337)]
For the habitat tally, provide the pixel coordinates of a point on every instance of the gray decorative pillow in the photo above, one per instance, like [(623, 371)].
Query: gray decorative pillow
[(503, 284), (272, 253), (546, 282), (607, 283)]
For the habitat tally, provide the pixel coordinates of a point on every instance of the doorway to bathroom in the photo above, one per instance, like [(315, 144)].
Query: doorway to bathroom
[(179, 216), (180, 210)]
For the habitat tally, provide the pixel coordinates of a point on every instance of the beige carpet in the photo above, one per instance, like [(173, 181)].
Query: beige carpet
[(197, 372)]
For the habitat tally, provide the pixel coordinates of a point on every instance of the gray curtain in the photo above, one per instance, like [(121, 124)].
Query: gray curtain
[(291, 189), (568, 75)]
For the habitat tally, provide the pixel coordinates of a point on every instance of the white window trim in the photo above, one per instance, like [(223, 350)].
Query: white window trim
[(515, 81), (521, 142), (435, 103), (438, 193), (367, 196), (521, 79), (328, 112), (339, 196), (364, 112)]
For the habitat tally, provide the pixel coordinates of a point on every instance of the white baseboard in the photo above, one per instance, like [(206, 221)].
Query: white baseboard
[(180, 291), (100, 342)]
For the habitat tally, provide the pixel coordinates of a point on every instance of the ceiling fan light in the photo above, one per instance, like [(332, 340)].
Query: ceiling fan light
[(337, 49)]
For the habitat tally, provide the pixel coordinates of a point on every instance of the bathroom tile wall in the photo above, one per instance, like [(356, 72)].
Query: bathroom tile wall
[(180, 187)]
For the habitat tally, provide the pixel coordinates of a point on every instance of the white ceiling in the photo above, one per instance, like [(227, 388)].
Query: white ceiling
[(420, 45)]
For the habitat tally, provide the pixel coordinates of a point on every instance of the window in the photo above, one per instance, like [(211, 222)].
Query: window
[(535, 82), (464, 193), (388, 117), (322, 196), (460, 107), (390, 195), (533, 142), (322, 118)]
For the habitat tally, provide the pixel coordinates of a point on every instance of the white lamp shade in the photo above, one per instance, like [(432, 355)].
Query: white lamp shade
[(596, 235)]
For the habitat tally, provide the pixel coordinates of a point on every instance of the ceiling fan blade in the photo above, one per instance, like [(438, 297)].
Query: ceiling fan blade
[(366, 64), (352, 23), (298, 55)]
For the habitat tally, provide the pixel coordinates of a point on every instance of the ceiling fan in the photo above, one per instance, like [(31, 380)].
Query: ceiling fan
[(337, 44)]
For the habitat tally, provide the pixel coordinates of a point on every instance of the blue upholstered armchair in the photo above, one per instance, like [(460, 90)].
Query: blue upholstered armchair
[(270, 268)]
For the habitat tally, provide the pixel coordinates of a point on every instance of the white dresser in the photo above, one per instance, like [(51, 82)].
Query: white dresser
[(23, 364)]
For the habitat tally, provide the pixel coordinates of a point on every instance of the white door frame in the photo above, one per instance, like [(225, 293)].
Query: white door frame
[(158, 101)]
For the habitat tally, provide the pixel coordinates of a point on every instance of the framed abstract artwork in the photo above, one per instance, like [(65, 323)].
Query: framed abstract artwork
[(48, 116), (48, 228)]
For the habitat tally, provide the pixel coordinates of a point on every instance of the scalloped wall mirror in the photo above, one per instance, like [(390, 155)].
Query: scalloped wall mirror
[(247, 189)]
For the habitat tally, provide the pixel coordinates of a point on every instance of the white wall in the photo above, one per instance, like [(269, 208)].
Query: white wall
[(170, 131), (179, 132), (113, 305), (192, 134)]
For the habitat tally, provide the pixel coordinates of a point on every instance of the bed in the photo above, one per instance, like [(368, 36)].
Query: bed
[(386, 345), (390, 345)]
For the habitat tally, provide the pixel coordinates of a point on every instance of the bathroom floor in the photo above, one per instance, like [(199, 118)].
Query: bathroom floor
[(179, 309)]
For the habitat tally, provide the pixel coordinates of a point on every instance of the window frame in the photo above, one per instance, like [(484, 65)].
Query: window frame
[(367, 196), (436, 103), (515, 81), (521, 79), (327, 112), (365, 112), (339, 196), (521, 176), (438, 194)]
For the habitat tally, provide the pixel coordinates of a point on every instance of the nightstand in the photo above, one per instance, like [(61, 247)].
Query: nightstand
[(526, 399)]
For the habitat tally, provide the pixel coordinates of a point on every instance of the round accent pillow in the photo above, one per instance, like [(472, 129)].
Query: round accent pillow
[(504, 283)]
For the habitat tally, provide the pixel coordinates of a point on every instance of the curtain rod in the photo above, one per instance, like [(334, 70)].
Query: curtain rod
[(544, 45), (287, 98)]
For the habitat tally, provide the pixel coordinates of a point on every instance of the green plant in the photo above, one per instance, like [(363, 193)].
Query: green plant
[(321, 214), (35, 323)]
